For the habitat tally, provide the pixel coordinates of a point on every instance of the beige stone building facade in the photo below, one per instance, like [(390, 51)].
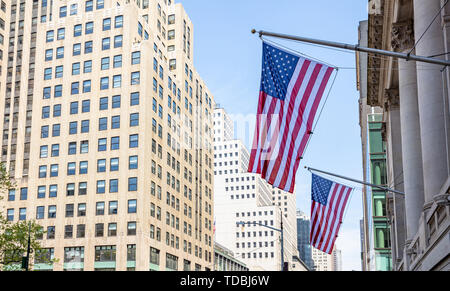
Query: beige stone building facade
[(107, 133), (414, 98)]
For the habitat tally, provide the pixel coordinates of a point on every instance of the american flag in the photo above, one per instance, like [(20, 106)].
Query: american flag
[(291, 90), (329, 201)]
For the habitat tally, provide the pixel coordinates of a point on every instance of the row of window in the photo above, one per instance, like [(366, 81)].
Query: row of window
[(70, 210)]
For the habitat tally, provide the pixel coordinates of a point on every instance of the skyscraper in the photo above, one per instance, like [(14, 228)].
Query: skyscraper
[(107, 132), (303, 233), (245, 197)]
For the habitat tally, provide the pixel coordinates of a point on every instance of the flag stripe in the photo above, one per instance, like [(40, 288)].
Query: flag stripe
[(290, 183), (332, 238)]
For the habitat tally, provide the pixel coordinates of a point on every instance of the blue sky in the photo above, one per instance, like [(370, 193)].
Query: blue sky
[(228, 57)]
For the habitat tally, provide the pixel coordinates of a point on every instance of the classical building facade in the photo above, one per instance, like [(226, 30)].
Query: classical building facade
[(107, 133), (414, 102)]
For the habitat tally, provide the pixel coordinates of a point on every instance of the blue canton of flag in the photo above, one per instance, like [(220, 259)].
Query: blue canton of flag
[(320, 189), (278, 69)]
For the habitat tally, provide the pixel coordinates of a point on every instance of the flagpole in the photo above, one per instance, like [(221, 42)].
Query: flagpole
[(357, 181), (357, 48)]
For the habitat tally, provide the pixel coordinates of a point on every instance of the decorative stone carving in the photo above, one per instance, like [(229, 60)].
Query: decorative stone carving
[(391, 99), (403, 36)]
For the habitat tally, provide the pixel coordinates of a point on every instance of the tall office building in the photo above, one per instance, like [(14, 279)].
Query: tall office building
[(107, 132), (324, 262), (245, 197), (303, 234)]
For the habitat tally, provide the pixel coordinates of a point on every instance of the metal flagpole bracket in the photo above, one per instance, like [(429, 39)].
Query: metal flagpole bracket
[(356, 48), (357, 181)]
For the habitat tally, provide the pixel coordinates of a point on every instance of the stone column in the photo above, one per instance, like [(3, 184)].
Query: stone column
[(403, 40), (430, 97), (395, 202)]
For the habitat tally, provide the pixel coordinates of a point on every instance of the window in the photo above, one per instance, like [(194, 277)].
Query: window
[(132, 184), (41, 192), (118, 21), (40, 212), (133, 163), (118, 61), (101, 166), (87, 86), (58, 91), (74, 107), (47, 93), (61, 34), (136, 58), (55, 150), (48, 74), (89, 29), (83, 167), (73, 9), (77, 30), (53, 191), (115, 122), (59, 72), (77, 49), (70, 189), (134, 119), (89, 6), (103, 124), (116, 101), (88, 47), (49, 55), (73, 127), (42, 172), (102, 144), (131, 229), (106, 24), (87, 67), (86, 106), (118, 41), (75, 88), (106, 43), (85, 126), (114, 165), (132, 206), (134, 100), (63, 11), (82, 188), (50, 36), (113, 186), (113, 208), (115, 143), (76, 69), (54, 171), (117, 81), (105, 63), (100, 4), (84, 147), (98, 232), (100, 208), (135, 78), (104, 83), (71, 169), (60, 52), (112, 229), (134, 141), (101, 187)]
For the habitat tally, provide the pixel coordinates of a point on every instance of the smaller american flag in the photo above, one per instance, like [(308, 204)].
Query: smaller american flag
[(329, 200)]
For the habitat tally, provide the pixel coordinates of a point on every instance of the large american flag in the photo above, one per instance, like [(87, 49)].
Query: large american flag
[(329, 200), (291, 90)]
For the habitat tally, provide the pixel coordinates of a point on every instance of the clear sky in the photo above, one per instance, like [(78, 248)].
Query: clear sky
[(228, 57)]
